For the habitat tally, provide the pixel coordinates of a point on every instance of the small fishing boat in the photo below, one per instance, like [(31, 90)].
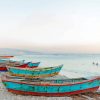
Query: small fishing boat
[(50, 86), (25, 65), (3, 57), (33, 64), (17, 64), (35, 72), (3, 67), (3, 60), (3, 63), (29, 65)]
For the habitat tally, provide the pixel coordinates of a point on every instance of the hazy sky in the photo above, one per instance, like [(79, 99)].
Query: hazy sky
[(50, 25)]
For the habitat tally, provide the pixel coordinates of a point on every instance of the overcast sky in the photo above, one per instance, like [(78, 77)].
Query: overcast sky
[(50, 25)]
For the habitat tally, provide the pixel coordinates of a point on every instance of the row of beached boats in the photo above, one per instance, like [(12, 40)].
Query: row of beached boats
[(29, 79)]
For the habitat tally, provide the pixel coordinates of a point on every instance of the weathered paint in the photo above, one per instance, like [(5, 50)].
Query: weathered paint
[(32, 65), (3, 69), (34, 73), (6, 57), (3, 60), (37, 76), (50, 89), (53, 94), (23, 65)]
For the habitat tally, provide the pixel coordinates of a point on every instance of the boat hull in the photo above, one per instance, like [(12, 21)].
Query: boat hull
[(29, 65), (25, 87), (34, 73), (23, 65), (19, 92), (3, 57), (33, 65), (3, 69)]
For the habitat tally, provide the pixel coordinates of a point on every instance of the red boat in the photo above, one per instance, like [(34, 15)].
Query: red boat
[(6, 57), (3, 67), (25, 65)]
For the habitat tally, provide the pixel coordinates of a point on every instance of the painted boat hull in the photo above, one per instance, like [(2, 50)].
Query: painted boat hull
[(29, 65), (3, 60), (23, 65), (3, 69), (19, 92), (15, 63), (33, 65), (26, 65), (3, 57), (50, 89), (34, 73)]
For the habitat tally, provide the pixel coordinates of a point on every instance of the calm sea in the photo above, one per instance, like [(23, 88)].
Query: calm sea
[(75, 65)]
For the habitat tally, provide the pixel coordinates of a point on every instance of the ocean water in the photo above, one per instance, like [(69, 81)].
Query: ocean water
[(75, 65)]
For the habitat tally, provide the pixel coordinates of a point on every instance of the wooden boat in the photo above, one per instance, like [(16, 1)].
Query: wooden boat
[(3, 57), (33, 65), (50, 87), (25, 65), (3, 60), (3, 67), (3, 63), (34, 73), (29, 65), (16, 64)]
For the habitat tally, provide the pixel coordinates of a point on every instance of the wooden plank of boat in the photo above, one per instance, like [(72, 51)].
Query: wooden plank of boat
[(34, 73), (48, 88)]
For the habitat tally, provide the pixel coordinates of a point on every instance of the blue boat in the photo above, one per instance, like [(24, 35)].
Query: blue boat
[(28, 65), (34, 72), (50, 87), (22, 62), (3, 61), (33, 65)]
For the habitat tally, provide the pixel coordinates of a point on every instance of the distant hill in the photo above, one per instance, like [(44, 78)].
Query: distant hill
[(8, 51)]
